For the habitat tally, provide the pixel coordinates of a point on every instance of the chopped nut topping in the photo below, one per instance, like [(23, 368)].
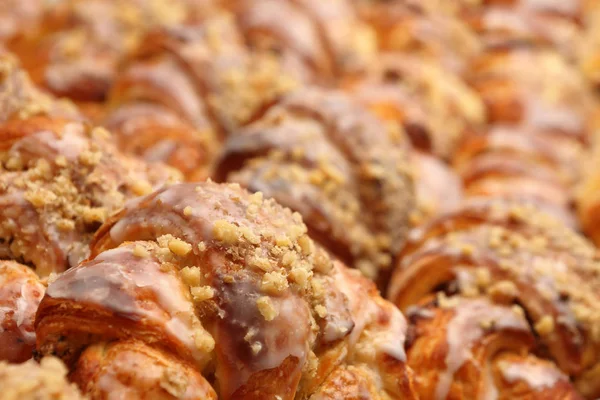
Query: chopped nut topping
[(266, 308), (321, 311), (179, 247), (545, 325), (191, 276), (202, 293), (141, 188), (274, 283), (256, 347), (226, 232), (204, 341), (140, 251)]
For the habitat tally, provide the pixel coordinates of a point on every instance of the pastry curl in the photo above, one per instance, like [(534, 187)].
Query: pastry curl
[(470, 348), (323, 155), (43, 381), (230, 284), (59, 180), (317, 41), (507, 162), (21, 99), (131, 369), (434, 107), (423, 29), (534, 88), (79, 44), (20, 294), (513, 253), (438, 189), (186, 88), (518, 23)]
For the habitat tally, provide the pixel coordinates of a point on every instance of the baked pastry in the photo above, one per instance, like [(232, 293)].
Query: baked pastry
[(504, 161), (20, 294), (73, 48), (438, 189), (536, 88), (433, 106), (186, 88), (323, 155), (59, 177), (465, 348), (30, 380), (317, 41), (555, 24), (513, 253), (208, 279), (432, 32)]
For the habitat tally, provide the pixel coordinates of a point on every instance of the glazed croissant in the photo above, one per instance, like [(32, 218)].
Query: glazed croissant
[(59, 178), (512, 253), (323, 155), (220, 292), (317, 41), (470, 348), (186, 88), (20, 294), (555, 24), (428, 30), (433, 106), (73, 48)]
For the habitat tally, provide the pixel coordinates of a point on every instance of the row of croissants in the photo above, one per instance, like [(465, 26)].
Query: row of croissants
[(299, 199)]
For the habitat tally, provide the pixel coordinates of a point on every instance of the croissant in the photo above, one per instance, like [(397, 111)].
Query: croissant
[(59, 178), (430, 30), (438, 189), (471, 348), (503, 161), (73, 48), (186, 88), (20, 294), (513, 253), (21, 99), (433, 106), (555, 24), (225, 293), (535, 88), (317, 41), (43, 381), (323, 155)]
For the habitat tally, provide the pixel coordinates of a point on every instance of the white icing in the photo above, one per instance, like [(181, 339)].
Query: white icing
[(537, 376), (111, 281), (465, 329), (365, 311)]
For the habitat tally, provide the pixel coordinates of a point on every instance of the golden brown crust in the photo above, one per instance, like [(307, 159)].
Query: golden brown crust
[(20, 99), (517, 92), (438, 189), (188, 86), (529, 378), (230, 283), (426, 30)]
